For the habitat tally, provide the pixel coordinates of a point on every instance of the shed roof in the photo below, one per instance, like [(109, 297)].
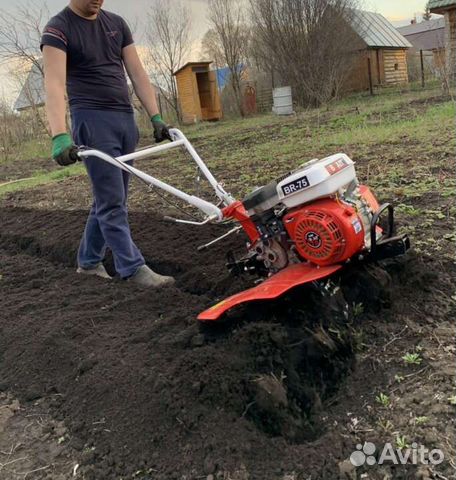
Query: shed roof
[(424, 26), (429, 35), (192, 64), (441, 5), (376, 31), (32, 92)]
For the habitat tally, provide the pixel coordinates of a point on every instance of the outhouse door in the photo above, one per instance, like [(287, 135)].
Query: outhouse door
[(216, 112)]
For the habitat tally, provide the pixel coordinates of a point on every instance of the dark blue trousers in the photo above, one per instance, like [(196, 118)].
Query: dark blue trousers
[(114, 133)]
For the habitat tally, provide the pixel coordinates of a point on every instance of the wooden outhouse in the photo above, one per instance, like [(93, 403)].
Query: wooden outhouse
[(198, 93), (381, 59)]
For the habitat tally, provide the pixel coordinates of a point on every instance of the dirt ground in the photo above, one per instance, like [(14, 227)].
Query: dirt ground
[(32, 442), (102, 380)]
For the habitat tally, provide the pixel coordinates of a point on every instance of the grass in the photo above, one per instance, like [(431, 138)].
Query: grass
[(416, 128), (29, 150), (40, 148), (42, 178)]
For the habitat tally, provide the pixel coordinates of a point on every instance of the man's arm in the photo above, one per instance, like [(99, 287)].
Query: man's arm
[(54, 61), (140, 80), (63, 150)]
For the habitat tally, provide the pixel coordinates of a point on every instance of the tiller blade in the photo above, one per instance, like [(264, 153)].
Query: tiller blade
[(272, 288)]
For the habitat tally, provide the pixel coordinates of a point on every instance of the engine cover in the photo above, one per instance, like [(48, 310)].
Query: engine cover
[(326, 232)]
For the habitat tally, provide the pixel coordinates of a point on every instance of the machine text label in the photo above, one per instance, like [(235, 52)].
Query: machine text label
[(295, 186)]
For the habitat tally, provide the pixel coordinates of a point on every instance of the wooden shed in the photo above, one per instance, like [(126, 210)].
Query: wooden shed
[(382, 55), (427, 37), (198, 93), (447, 8)]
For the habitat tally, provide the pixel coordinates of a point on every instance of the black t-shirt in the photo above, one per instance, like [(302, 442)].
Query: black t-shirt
[(95, 70)]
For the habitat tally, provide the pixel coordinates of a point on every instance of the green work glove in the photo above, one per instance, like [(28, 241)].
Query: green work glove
[(161, 130), (64, 151)]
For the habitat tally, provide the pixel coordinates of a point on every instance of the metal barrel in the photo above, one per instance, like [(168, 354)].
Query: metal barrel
[(283, 101)]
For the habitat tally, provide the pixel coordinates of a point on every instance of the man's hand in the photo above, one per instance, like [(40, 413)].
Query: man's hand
[(64, 151), (161, 130)]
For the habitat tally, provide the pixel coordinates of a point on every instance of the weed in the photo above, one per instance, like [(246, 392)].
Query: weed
[(421, 420), (401, 443), (412, 359), (408, 210), (450, 236), (385, 425), (383, 400), (357, 309)]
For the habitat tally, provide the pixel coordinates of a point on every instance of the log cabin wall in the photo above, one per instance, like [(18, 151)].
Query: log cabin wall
[(388, 67), (450, 41), (439, 59), (395, 66), (447, 8), (358, 77)]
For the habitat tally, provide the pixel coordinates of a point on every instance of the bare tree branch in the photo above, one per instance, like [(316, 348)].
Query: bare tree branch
[(20, 34), (309, 43), (168, 40), (230, 39), (212, 50)]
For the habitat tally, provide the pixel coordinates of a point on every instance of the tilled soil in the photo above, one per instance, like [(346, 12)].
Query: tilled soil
[(32, 443), (282, 388)]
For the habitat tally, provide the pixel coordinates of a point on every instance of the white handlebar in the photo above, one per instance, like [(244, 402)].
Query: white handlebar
[(179, 140)]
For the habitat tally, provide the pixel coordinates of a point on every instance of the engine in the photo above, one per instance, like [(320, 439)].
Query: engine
[(318, 213), (325, 233)]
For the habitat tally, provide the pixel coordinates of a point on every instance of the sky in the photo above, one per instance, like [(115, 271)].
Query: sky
[(395, 10), (399, 12)]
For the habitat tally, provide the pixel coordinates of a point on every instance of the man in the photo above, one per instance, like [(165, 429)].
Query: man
[(85, 49)]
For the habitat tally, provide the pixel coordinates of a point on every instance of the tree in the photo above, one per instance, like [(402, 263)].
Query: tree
[(20, 35), (168, 39), (231, 39), (309, 43), (427, 15), (212, 49)]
